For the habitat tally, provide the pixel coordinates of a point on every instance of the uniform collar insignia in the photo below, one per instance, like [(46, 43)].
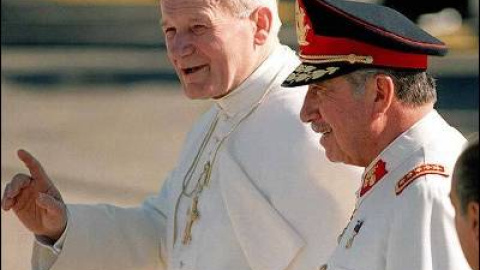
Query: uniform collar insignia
[(373, 176), (302, 26)]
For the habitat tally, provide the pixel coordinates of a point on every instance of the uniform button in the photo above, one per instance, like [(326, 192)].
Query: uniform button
[(323, 267)]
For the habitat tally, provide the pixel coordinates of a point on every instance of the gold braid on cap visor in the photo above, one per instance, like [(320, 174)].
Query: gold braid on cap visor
[(351, 58)]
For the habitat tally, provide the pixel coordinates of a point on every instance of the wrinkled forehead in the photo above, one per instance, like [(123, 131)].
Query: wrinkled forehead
[(328, 83), (179, 6)]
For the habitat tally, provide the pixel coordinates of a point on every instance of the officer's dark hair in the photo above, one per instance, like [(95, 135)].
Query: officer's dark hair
[(466, 175), (412, 88)]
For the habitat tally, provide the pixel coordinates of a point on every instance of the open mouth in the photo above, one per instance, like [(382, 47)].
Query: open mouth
[(188, 71)]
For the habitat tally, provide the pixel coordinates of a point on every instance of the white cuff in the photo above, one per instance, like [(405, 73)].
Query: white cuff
[(55, 247)]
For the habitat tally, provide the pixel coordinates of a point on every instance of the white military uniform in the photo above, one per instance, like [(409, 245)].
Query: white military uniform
[(270, 201), (403, 218)]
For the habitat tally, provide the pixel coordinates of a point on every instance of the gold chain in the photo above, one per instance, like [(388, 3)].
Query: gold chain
[(188, 176)]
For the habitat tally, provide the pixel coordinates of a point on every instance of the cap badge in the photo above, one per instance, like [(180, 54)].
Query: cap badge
[(302, 26)]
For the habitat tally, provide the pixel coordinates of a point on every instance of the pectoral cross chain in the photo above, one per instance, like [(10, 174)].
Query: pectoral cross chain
[(193, 215)]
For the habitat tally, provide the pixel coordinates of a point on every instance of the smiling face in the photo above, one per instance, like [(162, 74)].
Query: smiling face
[(210, 48), (332, 109)]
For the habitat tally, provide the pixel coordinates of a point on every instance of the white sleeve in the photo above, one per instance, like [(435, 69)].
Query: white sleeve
[(109, 238), (47, 243), (45, 252), (423, 233)]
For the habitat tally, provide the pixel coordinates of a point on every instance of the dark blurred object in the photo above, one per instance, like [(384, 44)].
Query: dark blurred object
[(43, 22), (444, 18), (414, 8)]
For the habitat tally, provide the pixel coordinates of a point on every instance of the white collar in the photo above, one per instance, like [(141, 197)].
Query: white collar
[(262, 79)]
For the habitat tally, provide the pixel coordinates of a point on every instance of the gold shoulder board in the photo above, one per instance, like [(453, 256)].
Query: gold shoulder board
[(411, 176)]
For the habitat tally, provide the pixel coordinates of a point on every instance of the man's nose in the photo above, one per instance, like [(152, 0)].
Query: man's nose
[(181, 46), (309, 111)]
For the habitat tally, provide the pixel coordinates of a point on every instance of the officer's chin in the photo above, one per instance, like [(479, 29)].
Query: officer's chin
[(337, 156), (334, 157)]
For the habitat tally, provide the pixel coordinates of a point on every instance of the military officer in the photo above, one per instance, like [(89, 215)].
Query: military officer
[(371, 98)]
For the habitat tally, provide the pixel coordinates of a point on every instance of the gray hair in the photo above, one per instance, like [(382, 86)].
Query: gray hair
[(412, 88), (243, 9), (466, 175)]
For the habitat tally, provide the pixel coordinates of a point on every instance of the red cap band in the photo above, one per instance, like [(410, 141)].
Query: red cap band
[(381, 57)]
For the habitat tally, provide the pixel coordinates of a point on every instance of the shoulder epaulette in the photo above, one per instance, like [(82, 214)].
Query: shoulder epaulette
[(417, 172)]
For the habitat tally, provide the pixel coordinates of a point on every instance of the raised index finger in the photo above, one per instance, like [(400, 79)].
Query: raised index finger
[(35, 168)]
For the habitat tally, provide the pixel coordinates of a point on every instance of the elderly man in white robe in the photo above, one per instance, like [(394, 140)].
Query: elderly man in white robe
[(251, 190)]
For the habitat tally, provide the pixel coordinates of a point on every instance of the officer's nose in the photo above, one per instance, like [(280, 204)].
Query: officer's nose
[(309, 111)]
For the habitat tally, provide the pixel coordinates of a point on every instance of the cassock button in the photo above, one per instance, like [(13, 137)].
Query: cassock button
[(323, 267)]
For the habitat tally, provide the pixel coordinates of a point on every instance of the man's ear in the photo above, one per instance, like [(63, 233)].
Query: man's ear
[(472, 216), (384, 92), (263, 18)]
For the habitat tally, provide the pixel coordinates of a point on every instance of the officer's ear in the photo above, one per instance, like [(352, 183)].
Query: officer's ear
[(263, 19), (472, 217), (382, 94)]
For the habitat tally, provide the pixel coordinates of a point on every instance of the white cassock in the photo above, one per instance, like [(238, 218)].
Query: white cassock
[(266, 197), (404, 218)]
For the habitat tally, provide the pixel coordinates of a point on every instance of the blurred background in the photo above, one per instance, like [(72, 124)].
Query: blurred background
[(87, 88)]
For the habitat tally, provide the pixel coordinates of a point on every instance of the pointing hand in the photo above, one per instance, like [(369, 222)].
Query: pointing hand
[(35, 200)]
